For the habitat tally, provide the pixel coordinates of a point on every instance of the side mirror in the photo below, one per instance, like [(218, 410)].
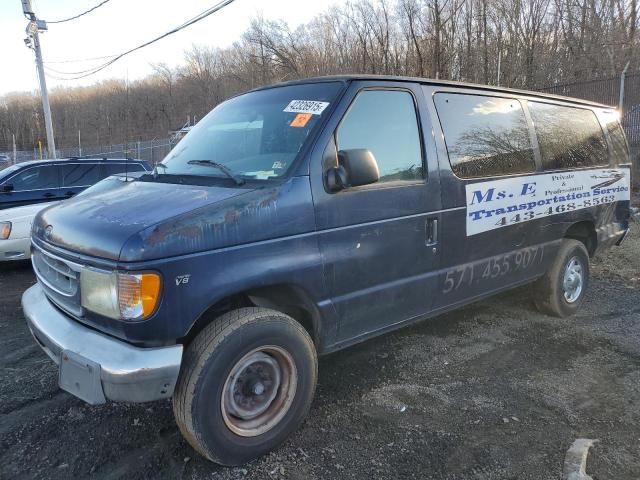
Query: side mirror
[(360, 167), (7, 188)]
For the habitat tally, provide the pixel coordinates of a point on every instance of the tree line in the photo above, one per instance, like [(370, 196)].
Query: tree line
[(516, 43)]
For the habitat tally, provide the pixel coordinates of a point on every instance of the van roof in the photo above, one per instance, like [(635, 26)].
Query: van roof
[(446, 83)]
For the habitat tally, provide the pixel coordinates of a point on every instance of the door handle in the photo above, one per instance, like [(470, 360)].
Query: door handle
[(432, 232)]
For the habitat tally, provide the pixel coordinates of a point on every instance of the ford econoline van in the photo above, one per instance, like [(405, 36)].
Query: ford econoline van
[(299, 219)]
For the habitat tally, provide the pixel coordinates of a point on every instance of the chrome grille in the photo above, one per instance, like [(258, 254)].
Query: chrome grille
[(56, 274), (59, 278)]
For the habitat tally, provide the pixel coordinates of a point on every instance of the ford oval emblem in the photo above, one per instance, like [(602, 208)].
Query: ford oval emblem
[(47, 232)]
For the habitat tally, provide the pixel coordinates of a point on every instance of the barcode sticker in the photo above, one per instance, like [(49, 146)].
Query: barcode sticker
[(306, 106)]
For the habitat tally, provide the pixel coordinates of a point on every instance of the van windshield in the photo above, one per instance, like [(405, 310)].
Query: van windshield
[(256, 135)]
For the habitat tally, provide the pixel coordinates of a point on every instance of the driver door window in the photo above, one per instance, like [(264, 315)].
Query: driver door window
[(385, 122), (36, 178)]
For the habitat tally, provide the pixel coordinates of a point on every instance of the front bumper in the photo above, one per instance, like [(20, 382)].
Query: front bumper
[(15, 249), (94, 366)]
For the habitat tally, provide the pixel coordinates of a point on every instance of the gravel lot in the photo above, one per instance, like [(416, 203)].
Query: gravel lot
[(492, 391)]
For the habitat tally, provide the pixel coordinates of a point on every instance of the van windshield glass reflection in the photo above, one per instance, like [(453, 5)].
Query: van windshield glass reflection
[(256, 135)]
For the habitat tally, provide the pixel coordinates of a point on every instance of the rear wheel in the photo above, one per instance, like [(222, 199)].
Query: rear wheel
[(561, 291), (246, 383)]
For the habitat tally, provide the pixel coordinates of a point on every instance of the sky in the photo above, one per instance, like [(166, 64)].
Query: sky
[(121, 24)]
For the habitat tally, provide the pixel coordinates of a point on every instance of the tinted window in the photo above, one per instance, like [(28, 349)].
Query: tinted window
[(113, 169), (36, 178), (485, 136), (616, 136), (8, 171), (569, 137), (385, 122), (81, 175)]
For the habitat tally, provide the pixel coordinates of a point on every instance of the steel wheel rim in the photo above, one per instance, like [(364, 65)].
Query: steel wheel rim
[(573, 280), (259, 391)]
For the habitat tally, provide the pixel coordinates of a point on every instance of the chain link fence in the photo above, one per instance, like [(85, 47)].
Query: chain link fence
[(150, 150)]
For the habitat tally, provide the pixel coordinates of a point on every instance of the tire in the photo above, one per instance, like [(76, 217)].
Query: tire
[(230, 371), (550, 294)]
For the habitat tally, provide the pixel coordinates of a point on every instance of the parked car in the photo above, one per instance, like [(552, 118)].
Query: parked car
[(299, 219), (42, 181), (15, 223), (15, 231), (4, 160)]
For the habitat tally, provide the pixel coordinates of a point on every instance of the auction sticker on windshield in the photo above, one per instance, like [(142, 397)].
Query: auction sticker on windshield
[(306, 106), (500, 203), (300, 120)]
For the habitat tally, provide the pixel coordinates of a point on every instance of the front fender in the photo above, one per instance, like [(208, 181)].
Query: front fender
[(193, 284)]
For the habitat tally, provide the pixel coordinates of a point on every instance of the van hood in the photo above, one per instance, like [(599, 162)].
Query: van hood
[(143, 220)]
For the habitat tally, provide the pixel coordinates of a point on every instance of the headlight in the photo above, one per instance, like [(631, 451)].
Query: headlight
[(122, 296), (5, 230)]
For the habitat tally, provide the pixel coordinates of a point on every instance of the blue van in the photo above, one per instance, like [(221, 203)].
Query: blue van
[(40, 181), (299, 219)]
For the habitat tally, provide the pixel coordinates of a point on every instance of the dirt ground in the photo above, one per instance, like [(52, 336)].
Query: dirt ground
[(492, 391)]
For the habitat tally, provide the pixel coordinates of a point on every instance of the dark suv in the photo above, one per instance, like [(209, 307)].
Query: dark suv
[(49, 180)]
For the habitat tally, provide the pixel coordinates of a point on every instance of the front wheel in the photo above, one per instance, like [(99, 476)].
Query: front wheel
[(561, 291), (246, 383)]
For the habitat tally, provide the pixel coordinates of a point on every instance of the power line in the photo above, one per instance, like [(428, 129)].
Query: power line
[(197, 18), (78, 60), (79, 15)]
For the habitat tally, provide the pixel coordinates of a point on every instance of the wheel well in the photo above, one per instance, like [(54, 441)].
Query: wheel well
[(287, 299), (584, 232)]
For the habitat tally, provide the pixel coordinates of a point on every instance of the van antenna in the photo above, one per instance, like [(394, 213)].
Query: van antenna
[(126, 153)]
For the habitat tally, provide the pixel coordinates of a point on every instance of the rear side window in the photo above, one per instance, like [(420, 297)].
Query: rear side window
[(485, 136), (616, 136), (385, 122), (81, 175), (569, 137), (36, 178)]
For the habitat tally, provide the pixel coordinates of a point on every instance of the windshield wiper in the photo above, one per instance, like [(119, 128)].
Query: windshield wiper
[(210, 163)]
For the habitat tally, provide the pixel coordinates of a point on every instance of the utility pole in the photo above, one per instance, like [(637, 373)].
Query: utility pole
[(15, 153), (33, 41), (622, 77)]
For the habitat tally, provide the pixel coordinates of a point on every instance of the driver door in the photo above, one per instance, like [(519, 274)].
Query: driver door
[(379, 242)]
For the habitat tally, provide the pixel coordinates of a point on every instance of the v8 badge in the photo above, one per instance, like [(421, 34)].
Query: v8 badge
[(182, 279)]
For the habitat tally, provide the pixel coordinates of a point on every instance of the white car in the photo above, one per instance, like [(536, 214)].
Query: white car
[(15, 231)]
